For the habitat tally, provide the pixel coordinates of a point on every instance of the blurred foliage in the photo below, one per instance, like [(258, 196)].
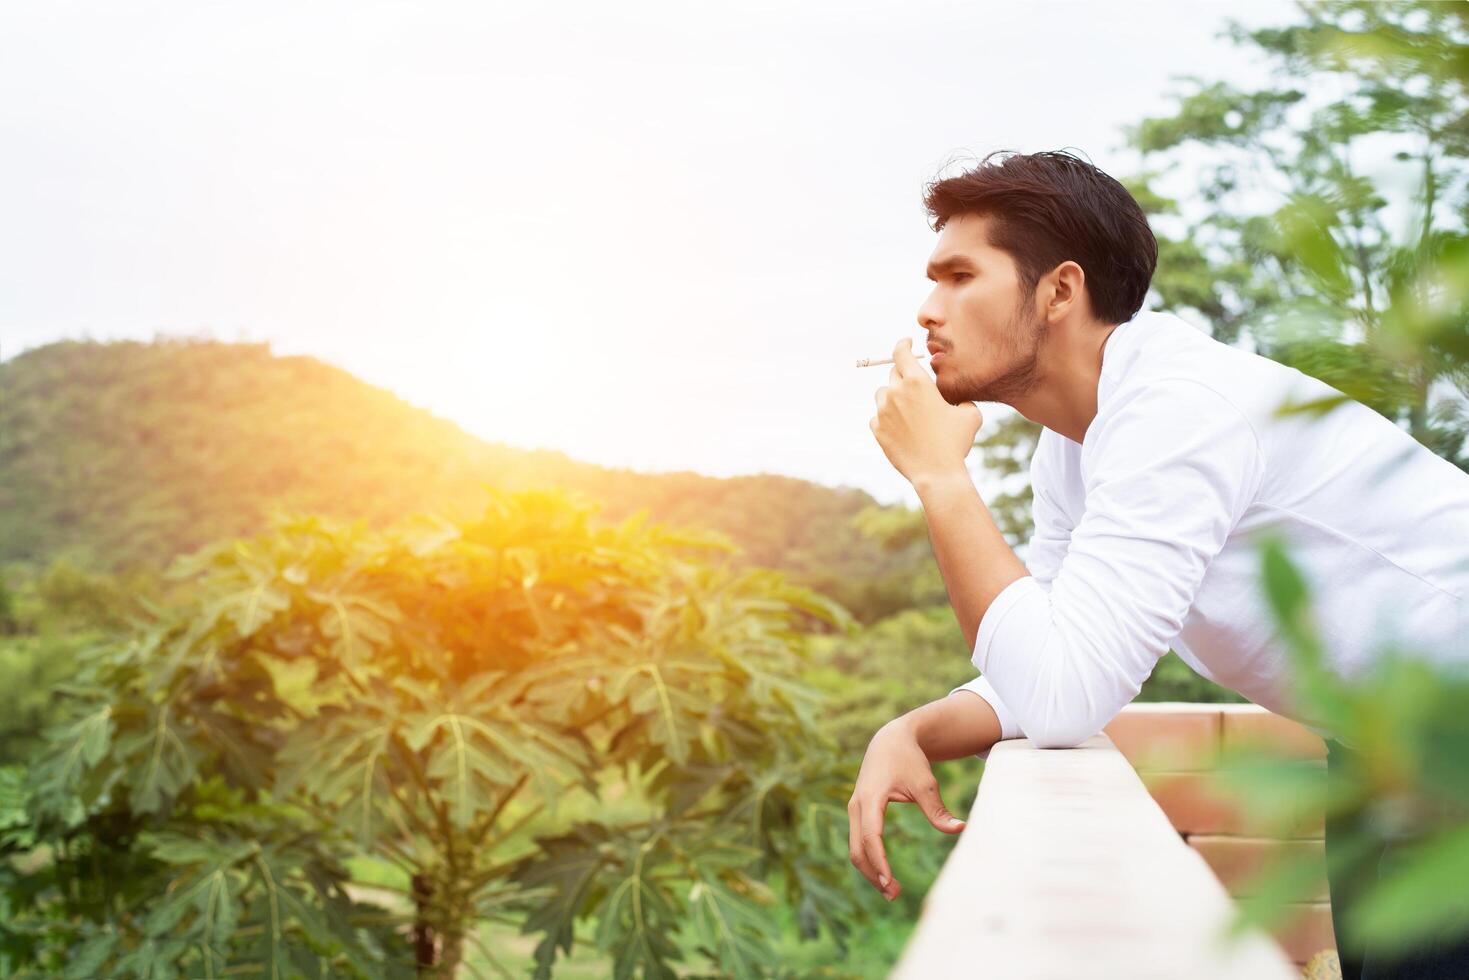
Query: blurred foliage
[(420, 695), (1005, 454), (1406, 719), (871, 677), (47, 617), (1174, 680), (888, 669), (1319, 281)]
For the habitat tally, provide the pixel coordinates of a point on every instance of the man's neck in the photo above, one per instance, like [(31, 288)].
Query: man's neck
[(1064, 399)]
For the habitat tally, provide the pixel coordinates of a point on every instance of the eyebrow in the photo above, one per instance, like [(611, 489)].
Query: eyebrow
[(950, 264)]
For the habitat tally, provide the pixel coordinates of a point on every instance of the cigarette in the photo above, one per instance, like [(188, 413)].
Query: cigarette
[(874, 361)]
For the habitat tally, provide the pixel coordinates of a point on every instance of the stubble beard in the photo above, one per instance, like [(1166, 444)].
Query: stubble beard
[(1020, 346)]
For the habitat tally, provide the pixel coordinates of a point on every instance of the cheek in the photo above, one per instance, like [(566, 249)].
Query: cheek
[(980, 318), (978, 304)]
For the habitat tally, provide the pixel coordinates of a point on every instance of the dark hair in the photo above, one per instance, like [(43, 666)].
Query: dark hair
[(1049, 207)]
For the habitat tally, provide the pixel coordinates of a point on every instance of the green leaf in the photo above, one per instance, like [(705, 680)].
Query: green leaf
[(465, 762), (357, 626), (1418, 896), (270, 950), (218, 919), (1305, 225), (251, 608), (733, 928), (342, 759), (161, 763), (567, 868), (187, 848), (671, 712), (293, 680), (86, 961)]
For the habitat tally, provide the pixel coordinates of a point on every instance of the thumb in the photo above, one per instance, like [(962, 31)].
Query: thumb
[(938, 814)]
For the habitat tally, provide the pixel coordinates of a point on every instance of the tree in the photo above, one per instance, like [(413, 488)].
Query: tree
[(1287, 244), (425, 695)]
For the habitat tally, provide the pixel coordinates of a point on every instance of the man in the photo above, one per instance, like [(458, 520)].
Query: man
[(1161, 460)]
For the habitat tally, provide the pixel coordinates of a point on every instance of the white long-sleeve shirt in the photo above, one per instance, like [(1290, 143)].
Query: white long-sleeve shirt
[(1146, 538)]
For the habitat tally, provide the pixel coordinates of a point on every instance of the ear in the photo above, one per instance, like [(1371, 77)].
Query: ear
[(1066, 285)]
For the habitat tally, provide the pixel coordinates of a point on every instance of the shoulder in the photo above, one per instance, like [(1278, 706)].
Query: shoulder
[(1179, 407), (1172, 437), (1168, 353)]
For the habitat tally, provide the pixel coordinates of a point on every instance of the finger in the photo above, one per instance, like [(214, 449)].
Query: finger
[(933, 808), (854, 847), (903, 360), (880, 396), (872, 841), (893, 376)]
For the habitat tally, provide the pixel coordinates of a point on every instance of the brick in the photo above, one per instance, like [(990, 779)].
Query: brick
[(1239, 860), (1195, 804), (1249, 727), (1293, 810), (1190, 803), (1304, 930), (1167, 737)]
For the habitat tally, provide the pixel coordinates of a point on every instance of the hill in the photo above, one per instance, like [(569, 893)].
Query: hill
[(124, 454)]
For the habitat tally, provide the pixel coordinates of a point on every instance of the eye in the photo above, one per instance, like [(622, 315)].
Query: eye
[(961, 276)]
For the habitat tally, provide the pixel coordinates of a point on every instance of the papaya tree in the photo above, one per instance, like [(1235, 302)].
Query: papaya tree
[(534, 717)]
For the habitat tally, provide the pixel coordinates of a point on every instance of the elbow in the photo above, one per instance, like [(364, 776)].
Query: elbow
[(1060, 734), (1067, 708), (1061, 683), (1059, 740)]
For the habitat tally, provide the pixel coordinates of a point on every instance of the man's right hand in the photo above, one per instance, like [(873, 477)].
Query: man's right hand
[(894, 769)]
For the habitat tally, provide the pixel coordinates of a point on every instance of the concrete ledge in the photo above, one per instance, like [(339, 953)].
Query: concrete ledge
[(1067, 867)]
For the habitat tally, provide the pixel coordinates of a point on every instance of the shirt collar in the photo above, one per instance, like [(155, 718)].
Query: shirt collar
[(1119, 350)]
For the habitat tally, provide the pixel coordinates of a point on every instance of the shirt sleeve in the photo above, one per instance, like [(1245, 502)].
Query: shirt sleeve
[(1173, 468), (1009, 727)]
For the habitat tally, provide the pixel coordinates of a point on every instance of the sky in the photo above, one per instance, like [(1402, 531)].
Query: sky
[(649, 235)]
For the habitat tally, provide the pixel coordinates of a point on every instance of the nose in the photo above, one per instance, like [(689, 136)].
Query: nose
[(929, 315)]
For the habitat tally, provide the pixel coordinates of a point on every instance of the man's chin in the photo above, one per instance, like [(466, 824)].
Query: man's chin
[(959, 394), (1002, 390)]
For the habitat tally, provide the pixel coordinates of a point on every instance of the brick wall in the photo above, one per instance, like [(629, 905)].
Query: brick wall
[(1174, 746)]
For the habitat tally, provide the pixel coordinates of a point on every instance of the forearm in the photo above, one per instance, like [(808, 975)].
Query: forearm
[(953, 727), (974, 558)]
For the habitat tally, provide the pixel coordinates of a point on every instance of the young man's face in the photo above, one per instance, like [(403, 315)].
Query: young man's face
[(988, 336)]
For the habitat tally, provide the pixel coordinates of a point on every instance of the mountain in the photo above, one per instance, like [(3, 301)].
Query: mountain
[(123, 454)]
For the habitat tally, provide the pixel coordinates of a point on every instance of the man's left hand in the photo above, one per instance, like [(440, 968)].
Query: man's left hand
[(921, 434)]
